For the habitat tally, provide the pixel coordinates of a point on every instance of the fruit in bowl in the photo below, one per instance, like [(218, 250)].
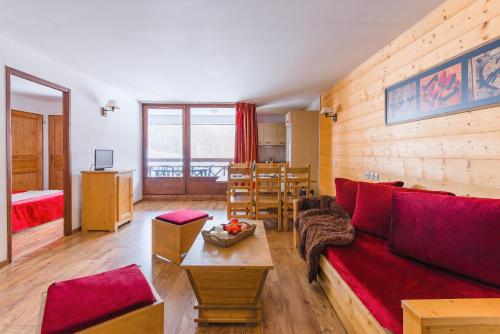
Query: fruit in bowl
[(235, 227)]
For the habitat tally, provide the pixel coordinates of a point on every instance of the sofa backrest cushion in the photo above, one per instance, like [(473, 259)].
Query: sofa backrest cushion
[(460, 234), (374, 206), (346, 192)]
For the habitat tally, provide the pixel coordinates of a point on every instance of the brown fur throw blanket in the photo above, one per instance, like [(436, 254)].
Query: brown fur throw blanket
[(318, 228)]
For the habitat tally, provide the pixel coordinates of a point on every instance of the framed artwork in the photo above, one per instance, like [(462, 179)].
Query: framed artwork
[(467, 82)]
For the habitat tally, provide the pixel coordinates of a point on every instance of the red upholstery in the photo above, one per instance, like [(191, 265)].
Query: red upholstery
[(181, 217), (461, 234), (36, 211), (80, 303), (382, 279), (374, 207), (346, 191)]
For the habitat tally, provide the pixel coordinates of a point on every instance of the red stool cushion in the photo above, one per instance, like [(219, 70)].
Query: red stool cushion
[(80, 303), (181, 217)]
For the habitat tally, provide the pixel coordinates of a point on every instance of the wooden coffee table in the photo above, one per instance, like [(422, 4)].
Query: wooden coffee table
[(228, 282)]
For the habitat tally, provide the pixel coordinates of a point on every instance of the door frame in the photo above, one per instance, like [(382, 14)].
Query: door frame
[(199, 186), (66, 106)]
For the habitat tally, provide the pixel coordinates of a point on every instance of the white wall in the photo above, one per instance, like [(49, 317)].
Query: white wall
[(39, 105), (315, 105), (271, 118), (120, 131)]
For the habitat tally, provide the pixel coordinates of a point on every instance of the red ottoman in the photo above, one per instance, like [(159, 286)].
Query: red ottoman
[(116, 301), (173, 233)]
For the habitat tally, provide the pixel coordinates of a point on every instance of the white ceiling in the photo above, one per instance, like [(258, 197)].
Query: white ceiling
[(280, 54)]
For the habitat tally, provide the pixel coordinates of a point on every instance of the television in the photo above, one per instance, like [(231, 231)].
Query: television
[(103, 159)]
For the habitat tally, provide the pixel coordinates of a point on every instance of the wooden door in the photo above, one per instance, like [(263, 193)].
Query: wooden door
[(269, 134), (124, 190), (27, 151), (56, 152)]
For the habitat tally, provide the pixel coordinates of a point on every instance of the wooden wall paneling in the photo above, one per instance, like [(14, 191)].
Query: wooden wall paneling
[(358, 104), (460, 152), (434, 19)]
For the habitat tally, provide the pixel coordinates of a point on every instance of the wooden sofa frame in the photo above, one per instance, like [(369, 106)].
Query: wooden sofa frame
[(147, 319), (432, 316)]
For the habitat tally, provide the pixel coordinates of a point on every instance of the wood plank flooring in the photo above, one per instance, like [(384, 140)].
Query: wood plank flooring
[(289, 303), (29, 240)]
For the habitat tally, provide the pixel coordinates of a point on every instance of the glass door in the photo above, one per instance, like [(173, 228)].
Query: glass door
[(164, 168), (187, 148), (211, 138)]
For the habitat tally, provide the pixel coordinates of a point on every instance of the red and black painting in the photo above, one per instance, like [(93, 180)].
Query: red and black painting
[(441, 89), (468, 82)]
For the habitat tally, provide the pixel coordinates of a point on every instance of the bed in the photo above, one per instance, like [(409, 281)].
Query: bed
[(35, 207)]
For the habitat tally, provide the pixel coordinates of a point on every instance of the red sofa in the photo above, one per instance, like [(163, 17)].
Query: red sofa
[(414, 245)]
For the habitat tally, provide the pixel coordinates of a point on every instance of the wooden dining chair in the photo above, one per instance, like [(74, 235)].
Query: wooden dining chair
[(296, 180), (266, 164), (268, 193), (239, 164), (240, 193)]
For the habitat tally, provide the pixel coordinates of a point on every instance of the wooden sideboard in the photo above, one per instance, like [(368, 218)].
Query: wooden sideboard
[(106, 199)]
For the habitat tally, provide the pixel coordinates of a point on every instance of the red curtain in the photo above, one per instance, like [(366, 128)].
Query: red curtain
[(245, 148)]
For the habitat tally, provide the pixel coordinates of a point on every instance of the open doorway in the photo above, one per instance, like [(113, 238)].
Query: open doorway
[(38, 170)]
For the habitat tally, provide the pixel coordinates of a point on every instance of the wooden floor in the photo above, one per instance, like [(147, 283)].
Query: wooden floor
[(30, 240), (289, 303)]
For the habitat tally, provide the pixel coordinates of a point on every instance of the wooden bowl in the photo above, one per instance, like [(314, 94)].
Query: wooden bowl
[(231, 240)]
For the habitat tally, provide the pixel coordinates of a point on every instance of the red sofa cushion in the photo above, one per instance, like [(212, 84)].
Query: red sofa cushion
[(461, 234), (181, 217), (382, 279), (374, 207), (346, 191), (80, 303)]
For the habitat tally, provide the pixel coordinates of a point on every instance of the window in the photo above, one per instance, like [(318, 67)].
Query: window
[(165, 143), (212, 140)]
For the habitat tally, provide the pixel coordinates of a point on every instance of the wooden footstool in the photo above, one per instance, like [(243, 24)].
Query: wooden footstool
[(116, 301), (174, 233)]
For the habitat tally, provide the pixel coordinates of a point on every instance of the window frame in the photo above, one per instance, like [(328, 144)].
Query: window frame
[(186, 185)]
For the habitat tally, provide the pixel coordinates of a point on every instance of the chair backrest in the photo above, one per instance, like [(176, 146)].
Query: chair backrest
[(267, 164), (239, 164), (268, 182), (240, 179), (297, 179)]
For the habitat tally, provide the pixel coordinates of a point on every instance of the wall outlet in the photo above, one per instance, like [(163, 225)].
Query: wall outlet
[(374, 176)]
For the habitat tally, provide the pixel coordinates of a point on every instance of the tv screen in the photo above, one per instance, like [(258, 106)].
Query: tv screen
[(103, 159)]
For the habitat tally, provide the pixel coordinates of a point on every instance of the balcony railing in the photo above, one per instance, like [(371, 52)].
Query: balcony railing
[(199, 167)]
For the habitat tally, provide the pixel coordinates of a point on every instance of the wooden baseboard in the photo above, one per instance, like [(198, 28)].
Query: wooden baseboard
[(4, 263), (138, 201), (78, 229), (184, 197)]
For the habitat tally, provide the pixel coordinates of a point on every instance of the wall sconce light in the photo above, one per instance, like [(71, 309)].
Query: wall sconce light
[(328, 112), (110, 106)]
